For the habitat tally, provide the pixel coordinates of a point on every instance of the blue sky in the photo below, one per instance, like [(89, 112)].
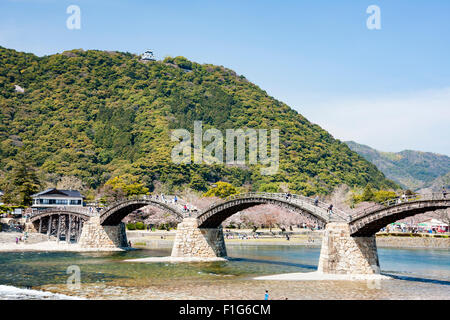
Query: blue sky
[(387, 88)]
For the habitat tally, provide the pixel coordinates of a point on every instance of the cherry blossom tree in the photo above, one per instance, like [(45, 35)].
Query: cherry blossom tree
[(267, 216)]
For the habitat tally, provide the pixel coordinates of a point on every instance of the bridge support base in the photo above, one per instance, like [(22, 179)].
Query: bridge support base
[(343, 254), (192, 241), (29, 227), (94, 235)]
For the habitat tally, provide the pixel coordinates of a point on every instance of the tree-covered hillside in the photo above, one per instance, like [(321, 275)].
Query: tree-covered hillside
[(411, 169), (95, 115)]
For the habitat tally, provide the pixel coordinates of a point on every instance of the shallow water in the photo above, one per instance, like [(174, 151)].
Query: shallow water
[(420, 274)]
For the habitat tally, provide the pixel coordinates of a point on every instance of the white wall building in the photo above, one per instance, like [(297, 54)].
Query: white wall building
[(51, 198)]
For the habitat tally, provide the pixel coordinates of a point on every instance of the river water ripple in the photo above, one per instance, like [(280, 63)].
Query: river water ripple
[(418, 273)]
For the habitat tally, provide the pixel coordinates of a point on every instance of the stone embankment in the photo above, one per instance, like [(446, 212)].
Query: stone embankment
[(164, 239), (413, 242)]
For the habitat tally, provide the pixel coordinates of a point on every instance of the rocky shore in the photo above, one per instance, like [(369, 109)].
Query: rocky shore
[(413, 242)]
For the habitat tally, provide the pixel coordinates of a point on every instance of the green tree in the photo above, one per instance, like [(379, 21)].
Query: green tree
[(221, 190), (182, 62), (197, 182), (368, 194), (384, 195), (24, 180), (128, 184), (269, 187), (140, 225)]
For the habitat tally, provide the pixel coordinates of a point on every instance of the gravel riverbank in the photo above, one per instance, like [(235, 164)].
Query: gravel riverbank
[(40, 242)]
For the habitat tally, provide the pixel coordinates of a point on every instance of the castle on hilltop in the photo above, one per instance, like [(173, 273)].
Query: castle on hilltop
[(148, 55)]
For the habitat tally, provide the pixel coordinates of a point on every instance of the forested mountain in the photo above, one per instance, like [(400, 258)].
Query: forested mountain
[(96, 114), (411, 169)]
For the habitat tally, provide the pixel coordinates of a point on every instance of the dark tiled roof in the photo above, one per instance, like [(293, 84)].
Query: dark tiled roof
[(72, 193), (56, 192)]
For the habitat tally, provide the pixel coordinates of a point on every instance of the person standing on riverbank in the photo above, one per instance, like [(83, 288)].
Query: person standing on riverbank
[(266, 295)]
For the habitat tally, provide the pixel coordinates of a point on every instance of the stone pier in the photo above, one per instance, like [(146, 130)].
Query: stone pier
[(194, 242), (29, 227), (343, 254), (94, 235)]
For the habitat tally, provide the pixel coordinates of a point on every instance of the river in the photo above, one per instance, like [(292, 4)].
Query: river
[(419, 274)]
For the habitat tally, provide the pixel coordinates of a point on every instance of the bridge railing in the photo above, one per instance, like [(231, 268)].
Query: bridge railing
[(294, 198), (88, 211), (168, 200), (398, 200)]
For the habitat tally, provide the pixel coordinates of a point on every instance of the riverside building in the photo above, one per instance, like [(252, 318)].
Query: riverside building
[(52, 198)]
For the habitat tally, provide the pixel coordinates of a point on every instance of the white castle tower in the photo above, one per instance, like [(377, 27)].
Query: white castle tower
[(148, 55)]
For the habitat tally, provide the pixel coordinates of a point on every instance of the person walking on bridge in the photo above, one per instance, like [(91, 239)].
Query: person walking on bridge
[(403, 197), (330, 210)]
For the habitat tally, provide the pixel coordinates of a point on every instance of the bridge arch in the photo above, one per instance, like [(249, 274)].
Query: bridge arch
[(55, 212), (371, 220), (113, 214), (61, 222), (219, 212)]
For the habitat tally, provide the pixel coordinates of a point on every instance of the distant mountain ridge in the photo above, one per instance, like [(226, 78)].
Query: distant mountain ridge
[(411, 169)]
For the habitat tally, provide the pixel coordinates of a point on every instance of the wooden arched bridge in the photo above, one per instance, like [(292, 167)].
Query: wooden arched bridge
[(63, 223), (348, 244), (218, 212), (221, 210), (67, 222), (370, 220), (115, 212)]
